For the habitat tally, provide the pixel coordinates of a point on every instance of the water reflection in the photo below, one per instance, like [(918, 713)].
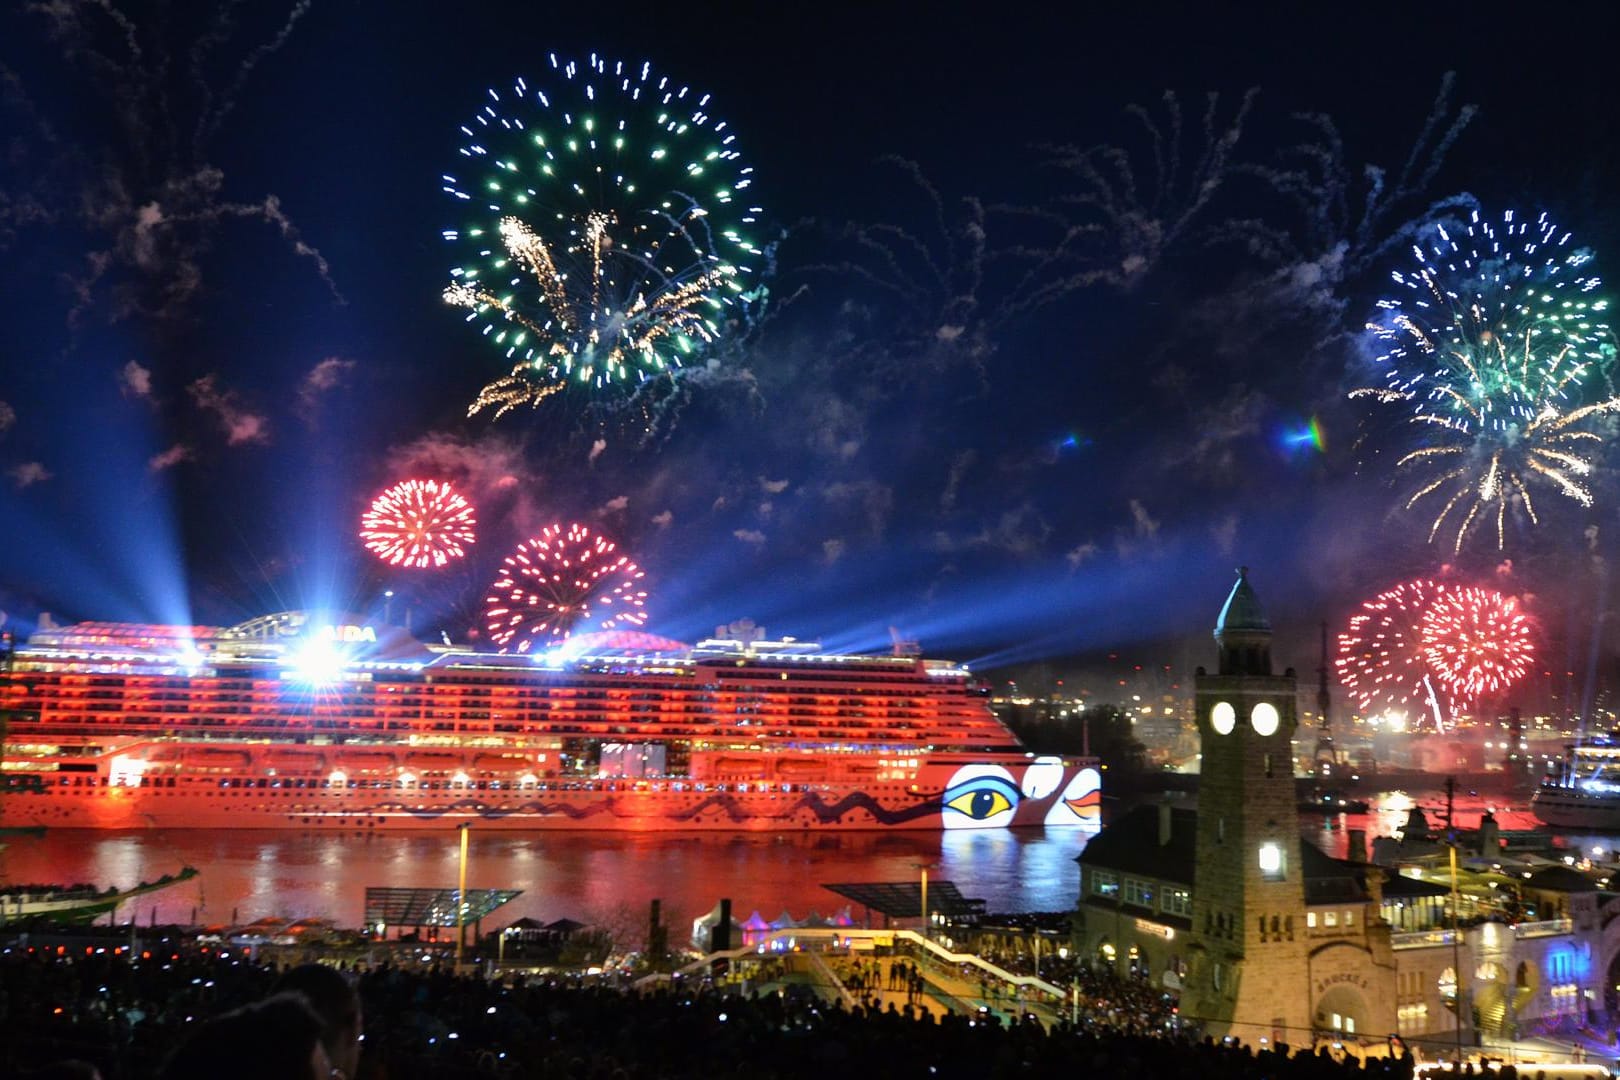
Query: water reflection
[(1387, 814), (252, 875)]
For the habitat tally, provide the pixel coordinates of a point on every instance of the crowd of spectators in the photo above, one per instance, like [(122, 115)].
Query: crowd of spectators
[(128, 1012)]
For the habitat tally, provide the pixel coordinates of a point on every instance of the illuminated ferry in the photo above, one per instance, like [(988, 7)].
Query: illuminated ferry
[(1585, 793), (292, 721)]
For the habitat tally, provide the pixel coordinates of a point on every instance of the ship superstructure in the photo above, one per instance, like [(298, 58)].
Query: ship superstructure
[(1584, 794), (293, 720)]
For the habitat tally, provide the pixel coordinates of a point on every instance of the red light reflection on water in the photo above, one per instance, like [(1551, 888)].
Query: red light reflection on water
[(1388, 812), (584, 876)]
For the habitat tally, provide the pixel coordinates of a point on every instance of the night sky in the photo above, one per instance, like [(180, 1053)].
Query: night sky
[(979, 407)]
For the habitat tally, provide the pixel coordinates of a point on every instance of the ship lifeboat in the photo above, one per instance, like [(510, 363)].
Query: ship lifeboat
[(801, 767), (495, 763), (351, 761), (208, 757), (295, 761), (739, 766), (431, 759)]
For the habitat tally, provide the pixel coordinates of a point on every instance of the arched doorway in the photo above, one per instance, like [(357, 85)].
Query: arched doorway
[(1342, 1009)]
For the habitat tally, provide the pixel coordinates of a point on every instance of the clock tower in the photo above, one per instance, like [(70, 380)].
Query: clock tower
[(1247, 950)]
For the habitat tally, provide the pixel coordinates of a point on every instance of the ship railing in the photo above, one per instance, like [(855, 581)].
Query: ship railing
[(1418, 939), (1544, 928)]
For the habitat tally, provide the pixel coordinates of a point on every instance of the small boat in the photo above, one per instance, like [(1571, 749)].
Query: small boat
[(1330, 801), (76, 903)]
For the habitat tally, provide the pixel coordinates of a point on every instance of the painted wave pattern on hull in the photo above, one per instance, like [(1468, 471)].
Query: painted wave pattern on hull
[(978, 796)]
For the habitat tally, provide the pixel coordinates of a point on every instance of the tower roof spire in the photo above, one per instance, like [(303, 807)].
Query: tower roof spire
[(1242, 632), (1242, 610)]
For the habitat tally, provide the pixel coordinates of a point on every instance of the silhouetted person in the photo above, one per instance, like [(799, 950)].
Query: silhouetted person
[(337, 1003), (278, 1038), (66, 1070)]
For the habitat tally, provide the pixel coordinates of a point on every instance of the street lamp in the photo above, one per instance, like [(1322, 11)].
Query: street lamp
[(461, 896), (923, 867), (926, 934)]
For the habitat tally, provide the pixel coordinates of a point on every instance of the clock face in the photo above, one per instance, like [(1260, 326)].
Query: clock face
[(1223, 718), (1264, 718)]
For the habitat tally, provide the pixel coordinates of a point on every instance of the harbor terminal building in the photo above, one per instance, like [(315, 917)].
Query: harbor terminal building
[(1268, 939)]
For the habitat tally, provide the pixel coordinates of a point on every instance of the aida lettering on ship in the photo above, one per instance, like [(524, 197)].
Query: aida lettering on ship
[(298, 720)]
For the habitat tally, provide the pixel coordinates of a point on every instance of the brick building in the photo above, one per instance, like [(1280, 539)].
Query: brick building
[(1267, 938)]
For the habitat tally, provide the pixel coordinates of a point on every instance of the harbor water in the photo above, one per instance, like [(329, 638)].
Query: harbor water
[(249, 875), (590, 877)]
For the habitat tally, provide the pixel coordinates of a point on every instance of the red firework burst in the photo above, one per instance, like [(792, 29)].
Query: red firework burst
[(1381, 658), (419, 523), (563, 580), (1477, 641)]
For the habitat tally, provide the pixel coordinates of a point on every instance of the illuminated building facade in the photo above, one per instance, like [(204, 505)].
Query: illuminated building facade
[(1268, 939)]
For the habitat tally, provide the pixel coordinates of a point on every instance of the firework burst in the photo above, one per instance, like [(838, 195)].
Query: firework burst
[(1381, 658), (1476, 641), (419, 523), (1434, 647), (606, 233), (1497, 344), (563, 580)]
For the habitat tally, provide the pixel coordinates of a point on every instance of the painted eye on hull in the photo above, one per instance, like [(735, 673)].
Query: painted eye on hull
[(980, 803), (980, 797), (1043, 777), (1081, 802)]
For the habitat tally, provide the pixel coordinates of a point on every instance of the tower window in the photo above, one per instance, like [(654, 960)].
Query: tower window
[(1271, 861)]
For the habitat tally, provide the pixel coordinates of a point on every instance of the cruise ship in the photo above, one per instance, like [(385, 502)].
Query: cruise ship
[(1584, 794), (299, 721)]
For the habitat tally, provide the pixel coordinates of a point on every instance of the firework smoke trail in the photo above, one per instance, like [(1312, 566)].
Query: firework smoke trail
[(151, 203), (935, 290), (211, 121), (1342, 231), (606, 240), (28, 208), (1492, 343), (1115, 228)]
